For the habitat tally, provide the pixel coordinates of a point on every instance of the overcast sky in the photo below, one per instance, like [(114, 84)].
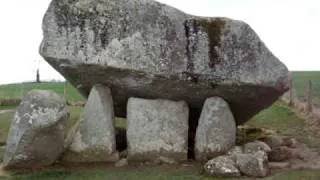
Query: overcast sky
[(290, 28)]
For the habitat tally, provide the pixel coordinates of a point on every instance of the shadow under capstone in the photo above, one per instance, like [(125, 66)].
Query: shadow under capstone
[(121, 139)]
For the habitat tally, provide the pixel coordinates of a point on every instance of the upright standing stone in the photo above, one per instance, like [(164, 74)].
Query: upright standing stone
[(92, 139), (157, 128), (37, 132), (216, 132)]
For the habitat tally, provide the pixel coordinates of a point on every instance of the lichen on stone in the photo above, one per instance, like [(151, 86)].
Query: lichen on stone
[(213, 28)]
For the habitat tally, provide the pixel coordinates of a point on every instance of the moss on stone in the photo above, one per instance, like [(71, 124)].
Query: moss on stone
[(213, 28)]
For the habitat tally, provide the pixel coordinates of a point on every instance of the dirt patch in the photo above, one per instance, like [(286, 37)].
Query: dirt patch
[(3, 173), (305, 158)]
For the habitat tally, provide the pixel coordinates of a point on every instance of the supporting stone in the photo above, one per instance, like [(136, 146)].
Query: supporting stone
[(216, 132), (157, 128), (93, 139), (37, 132)]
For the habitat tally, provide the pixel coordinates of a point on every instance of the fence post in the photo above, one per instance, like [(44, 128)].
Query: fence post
[(309, 97), (291, 93)]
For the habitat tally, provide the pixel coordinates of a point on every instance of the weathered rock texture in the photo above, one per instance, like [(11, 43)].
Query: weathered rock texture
[(221, 166), (93, 139), (255, 165), (253, 147), (157, 128), (37, 132), (142, 48), (216, 132)]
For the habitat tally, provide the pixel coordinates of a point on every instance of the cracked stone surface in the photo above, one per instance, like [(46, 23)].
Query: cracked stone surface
[(93, 138), (222, 166), (216, 131), (157, 129), (37, 132), (145, 49)]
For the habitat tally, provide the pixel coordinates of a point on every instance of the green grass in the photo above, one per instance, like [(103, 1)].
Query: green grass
[(300, 82), (140, 172), (281, 118), (75, 113), (16, 91), (5, 121), (297, 175)]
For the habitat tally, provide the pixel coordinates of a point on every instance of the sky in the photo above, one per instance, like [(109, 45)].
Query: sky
[(289, 28)]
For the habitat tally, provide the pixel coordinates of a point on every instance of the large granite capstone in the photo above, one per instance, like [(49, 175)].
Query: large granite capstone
[(145, 49)]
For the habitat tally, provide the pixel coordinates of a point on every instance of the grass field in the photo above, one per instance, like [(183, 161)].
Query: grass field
[(16, 91), (300, 82), (152, 173)]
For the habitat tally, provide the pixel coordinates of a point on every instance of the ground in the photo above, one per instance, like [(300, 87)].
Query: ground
[(278, 117)]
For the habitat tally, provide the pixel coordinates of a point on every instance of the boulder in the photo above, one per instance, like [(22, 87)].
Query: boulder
[(279, 154), (121, 163), (221, 166), (37, 132), (233, 152), (255, 165), (290, 142), (253, 147), (273, 141), (145, 49), (93, 139), (157, 128), (216, 131)]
